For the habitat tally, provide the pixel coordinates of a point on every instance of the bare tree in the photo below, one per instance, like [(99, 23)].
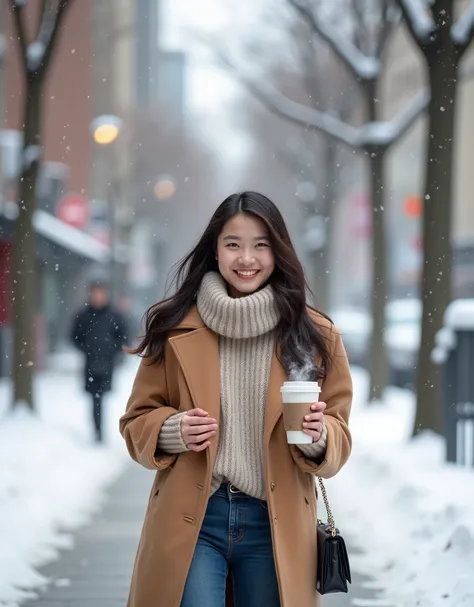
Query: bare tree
[(36, 57), (443, 43), (362, 55)]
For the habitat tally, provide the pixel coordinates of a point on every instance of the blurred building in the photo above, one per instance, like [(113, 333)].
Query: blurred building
[(171, 87), (146, 56), (63, 248), (107, 63)]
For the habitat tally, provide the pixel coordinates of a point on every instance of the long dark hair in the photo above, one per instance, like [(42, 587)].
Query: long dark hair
[(297, 336)]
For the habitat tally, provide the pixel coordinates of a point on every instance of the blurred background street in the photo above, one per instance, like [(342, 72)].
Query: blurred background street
[(124, 124)]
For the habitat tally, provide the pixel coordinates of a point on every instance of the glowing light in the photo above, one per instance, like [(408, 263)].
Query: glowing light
[(106, 129), (164, 188), (105, 134)]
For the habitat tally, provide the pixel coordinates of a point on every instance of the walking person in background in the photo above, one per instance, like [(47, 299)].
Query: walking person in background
[(99, 332), (232, 512)]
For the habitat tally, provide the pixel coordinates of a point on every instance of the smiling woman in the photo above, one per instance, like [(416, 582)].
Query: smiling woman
[(206, 413), (244, 254)]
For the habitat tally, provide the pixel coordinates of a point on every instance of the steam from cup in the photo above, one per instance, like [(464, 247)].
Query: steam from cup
[(307, 372)]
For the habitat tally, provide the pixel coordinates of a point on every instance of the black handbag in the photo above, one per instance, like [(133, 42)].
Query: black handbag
[(333, 562)]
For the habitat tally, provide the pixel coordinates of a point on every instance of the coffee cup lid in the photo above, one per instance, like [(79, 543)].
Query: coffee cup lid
[(300, 386)]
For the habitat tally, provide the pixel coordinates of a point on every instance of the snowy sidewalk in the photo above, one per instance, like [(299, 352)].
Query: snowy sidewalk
[(97, 572)]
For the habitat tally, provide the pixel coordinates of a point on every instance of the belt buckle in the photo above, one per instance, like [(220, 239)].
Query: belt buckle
[(233, 489)]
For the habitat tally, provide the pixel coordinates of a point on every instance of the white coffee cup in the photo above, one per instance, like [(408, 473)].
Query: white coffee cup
[(298, 396)]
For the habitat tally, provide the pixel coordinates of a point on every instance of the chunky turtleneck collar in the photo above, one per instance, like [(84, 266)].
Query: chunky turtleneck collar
[(238, 318)]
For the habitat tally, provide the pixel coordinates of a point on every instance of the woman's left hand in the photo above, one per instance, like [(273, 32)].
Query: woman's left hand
[(313, 423)]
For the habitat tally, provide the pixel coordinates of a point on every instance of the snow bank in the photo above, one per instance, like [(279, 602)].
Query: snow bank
[(410, 513), (52, 476), (460, 315)]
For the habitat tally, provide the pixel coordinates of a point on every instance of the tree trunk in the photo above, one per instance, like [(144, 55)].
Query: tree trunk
[(24, 251), (378, 358), (436, 275), (321, 275), (331, 194)]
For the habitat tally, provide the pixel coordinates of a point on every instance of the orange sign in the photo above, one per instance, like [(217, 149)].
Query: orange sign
[(413, 206)]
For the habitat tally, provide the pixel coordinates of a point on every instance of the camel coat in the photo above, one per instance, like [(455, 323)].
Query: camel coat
[(189, 377)]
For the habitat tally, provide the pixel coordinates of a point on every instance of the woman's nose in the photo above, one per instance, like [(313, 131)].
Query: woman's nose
[(246, 259)]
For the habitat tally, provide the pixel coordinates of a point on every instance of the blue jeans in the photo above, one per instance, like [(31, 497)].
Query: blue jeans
[(235, 537)]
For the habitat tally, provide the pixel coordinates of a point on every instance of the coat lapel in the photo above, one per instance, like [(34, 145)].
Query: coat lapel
[(273, 410), (198, 355)]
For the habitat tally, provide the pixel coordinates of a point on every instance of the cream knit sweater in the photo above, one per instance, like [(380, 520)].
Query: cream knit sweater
[(246, 344)]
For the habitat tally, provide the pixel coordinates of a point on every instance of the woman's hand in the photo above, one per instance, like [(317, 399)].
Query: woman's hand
[(197, 428), (314, 422)]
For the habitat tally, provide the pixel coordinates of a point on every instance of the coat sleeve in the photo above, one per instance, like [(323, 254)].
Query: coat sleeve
[(147, 410), (337, 394)]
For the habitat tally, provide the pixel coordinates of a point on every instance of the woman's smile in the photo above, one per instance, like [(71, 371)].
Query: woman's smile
[(246, 274)]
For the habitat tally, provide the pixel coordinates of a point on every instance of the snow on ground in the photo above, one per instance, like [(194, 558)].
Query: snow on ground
[(52, 476), (410, 513)]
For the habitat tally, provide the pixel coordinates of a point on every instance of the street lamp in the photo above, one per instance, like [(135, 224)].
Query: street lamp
[(106, 128)]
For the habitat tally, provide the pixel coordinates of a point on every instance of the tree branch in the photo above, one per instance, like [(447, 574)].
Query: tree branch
[(53, 29), (385, 134), (462, 32), (391, 19), (360, 30), (419, 19), (293, 111), (380, 134), (303, 115), (373, 134), (17, 12), (42, 12), (361, 66)]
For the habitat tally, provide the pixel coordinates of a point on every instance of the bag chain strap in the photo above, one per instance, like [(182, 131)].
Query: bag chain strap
[(331, 521)]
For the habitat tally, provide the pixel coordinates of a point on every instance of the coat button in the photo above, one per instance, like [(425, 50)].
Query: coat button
[(272, 486)]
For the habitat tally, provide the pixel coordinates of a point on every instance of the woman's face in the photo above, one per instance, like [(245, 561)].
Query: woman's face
[(245, 257)]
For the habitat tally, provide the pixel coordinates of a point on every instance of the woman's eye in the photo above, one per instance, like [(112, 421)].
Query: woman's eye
[(232, 245), (262, 244)]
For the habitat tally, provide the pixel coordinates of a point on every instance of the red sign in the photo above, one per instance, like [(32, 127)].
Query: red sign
[(73, 209)]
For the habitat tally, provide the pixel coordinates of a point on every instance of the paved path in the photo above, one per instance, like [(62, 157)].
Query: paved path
[(97, 572)]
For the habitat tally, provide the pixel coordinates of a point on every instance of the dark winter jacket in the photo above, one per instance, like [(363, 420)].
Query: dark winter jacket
[(99, 333)]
